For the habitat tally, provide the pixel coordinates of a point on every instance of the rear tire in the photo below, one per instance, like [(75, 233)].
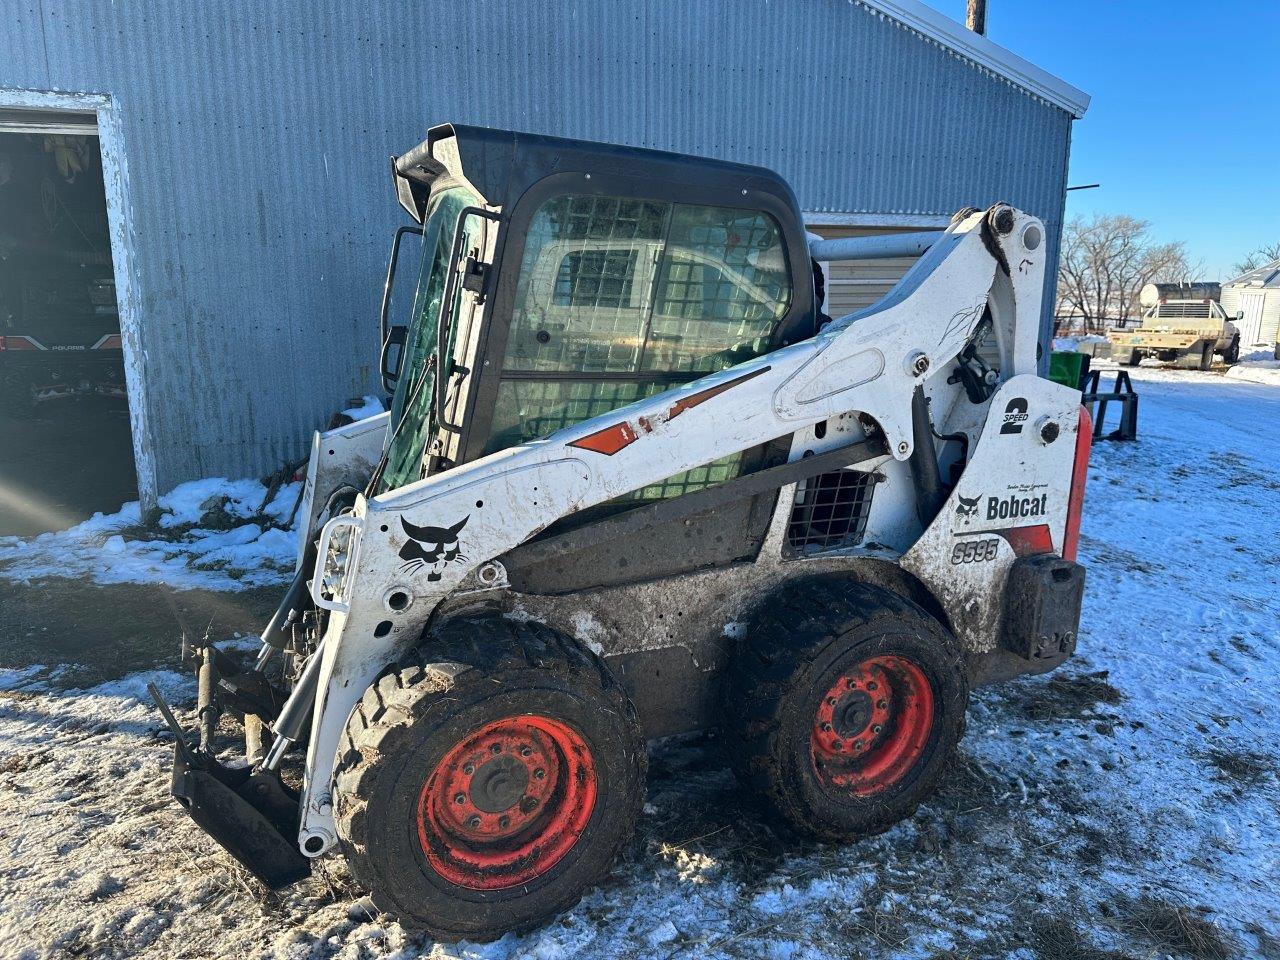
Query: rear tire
[(1206, 357), (488, 779), (844, 707)]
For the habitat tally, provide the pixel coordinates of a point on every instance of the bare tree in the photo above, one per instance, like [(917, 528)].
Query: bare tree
[(1105, 262), (1257, 258)]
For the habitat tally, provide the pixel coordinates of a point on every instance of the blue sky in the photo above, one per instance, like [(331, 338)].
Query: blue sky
[(1184, 127)]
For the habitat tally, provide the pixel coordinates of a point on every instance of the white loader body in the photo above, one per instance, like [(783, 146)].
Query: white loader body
[(861, 370)]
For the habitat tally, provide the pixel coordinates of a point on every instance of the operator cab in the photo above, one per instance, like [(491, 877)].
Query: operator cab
[(560, 279)]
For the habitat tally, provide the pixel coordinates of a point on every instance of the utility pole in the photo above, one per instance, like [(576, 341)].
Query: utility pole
[(977, 18)]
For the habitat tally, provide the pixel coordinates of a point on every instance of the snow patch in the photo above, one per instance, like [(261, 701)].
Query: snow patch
[(369, 406), (214, 534), (1256, 371)]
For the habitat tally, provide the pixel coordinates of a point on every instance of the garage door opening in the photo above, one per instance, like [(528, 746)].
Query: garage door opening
[(64, 414)]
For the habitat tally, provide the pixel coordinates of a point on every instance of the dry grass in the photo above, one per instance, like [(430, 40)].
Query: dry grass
[(1171, 928), (1064, 697), (1242, 767), (1054, 938)]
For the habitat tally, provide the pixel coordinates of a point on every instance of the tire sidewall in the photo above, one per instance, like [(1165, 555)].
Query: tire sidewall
[(413, 882), (825, 810)]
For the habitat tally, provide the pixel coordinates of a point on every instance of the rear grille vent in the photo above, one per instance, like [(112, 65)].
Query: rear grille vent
[(830, 511), (1184, 311)]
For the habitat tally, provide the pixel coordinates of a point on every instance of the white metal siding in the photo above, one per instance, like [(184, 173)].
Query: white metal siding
[(1234, 300)]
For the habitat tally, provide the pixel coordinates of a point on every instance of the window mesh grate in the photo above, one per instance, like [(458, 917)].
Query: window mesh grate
[(830, 511)]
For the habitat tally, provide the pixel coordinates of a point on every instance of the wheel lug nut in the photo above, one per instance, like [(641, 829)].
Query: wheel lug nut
[(838, 745), (474, 823), (826, 728), (851, 683), (831, 701), (877, 728), (469, 769), (539, 774), (526, 751), (872, 685), (857, 744), (460, 798), (504, 822), (882, 704), (496, 748)]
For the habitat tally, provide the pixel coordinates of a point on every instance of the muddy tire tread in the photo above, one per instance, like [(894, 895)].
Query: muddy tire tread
[(789, 634), (458, 654)]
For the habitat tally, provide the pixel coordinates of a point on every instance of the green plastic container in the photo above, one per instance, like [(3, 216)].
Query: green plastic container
[(1065, 367)]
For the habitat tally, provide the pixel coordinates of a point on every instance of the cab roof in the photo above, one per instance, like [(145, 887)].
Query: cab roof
[(500, 165)]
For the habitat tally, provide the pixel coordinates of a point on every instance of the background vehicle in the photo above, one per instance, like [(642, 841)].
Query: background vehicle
[(1185, 332), (627, 489)]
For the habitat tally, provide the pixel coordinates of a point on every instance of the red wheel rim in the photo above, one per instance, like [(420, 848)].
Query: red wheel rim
[(506, 803), (872, 725)]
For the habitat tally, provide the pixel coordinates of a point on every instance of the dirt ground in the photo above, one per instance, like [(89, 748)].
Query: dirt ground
[(102, 632), (61, 463)]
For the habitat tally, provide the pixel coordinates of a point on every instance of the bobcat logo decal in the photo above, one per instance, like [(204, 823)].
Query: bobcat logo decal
[(967, 508), (433, 547)]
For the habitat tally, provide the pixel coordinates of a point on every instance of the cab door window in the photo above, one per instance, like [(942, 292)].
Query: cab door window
[(619, 299)]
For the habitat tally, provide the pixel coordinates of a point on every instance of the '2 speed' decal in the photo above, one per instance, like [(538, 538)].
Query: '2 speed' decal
[(1015, 415)]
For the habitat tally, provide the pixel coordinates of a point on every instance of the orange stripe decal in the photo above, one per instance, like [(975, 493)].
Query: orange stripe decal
[(609, 440), (1028, 541), (614, 438), (687, 403)]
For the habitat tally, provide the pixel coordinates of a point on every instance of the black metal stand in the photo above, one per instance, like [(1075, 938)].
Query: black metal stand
[(1095, 401)]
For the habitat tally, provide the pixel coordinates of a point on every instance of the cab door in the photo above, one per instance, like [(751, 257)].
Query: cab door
[(616, 298)]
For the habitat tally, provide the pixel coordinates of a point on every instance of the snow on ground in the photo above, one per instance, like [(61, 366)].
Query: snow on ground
[(1125, 806), (209, 533), (1259, 368)]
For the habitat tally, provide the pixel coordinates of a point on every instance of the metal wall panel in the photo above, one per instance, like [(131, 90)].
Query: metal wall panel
[(257, 138)]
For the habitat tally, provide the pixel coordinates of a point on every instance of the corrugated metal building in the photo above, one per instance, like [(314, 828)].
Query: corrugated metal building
[(1255, 296), (245, 150)]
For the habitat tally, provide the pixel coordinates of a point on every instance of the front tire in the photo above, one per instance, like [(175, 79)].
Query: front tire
[(488, 780), (1232, 355), (844, 708)]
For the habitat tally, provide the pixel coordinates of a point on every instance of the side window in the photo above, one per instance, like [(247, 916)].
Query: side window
[(596, 278), (619, 299), (582, 296), (722, 288)]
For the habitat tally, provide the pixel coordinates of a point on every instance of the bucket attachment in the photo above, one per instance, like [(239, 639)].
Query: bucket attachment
[(251, 814)]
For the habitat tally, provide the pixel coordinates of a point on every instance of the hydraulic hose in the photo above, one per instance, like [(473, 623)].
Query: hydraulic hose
[(924, 461), (297, 599)]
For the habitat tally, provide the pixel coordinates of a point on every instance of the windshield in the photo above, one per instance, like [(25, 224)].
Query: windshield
[(411, 410)]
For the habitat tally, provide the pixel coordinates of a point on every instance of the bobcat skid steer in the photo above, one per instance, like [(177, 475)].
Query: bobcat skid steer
[(633, 483)]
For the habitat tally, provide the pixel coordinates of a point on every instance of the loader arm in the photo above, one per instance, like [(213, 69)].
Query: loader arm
[(382, 570)]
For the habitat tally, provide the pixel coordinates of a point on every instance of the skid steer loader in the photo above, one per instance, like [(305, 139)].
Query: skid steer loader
[(632, 484)]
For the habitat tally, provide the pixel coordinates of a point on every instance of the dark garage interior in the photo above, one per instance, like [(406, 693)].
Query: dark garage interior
[(65, 448)]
